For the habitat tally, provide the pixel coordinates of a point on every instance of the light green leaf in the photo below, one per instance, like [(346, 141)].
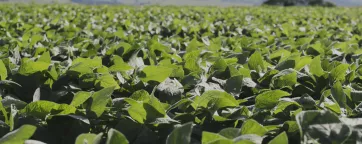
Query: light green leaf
[(105, 81), (120, 33), (338, 94), (316, 67), (256, 62), (180, 135), (339, 73), (216, 100), (42, 108), (116, 137), (35, 39), (79, 98), (269, 99), (208, 137), (280, 139), (155, 73), (287, 77), (45, 57), (96, 104), (136, 110), (3, 71), (141, 95), (253, 127), (19, 135), (86, 138), (303, 62), (230, 133), (29, 67)]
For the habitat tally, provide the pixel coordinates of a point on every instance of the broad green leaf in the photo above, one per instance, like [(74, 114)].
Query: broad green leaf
[(141, 95), (35, 39), (256, 62), (338, 94), (269, 99), (116, 137), (284, 78), (316, 67), (303, 62), (281, 55), (253, 127), (230, 133), (82, 66), (216, 100), (96, 104), (290, 63), (208, 137), (234, 85), (191, 61), (105, 81), (280, 139), (330, 129), (3, 71), (339, 73), (180, 135), (86, 138), (120, 33), (45, 57), (136, 110), (29, 67), (155, 73), (79, 98), (19, 135), (42, 108)]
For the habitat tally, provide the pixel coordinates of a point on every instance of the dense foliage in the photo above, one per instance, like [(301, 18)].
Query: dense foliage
[(176, 75), (300, 3)]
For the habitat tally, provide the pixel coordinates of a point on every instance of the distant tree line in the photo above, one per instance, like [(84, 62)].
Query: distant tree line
[(300, 3)]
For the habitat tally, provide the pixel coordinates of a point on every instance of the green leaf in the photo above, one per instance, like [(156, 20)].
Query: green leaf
[(191, 61), (29, 67), (285, 78), (96, 104), (116, 137), (42, 108), (86, 138), (290, 63), (256, 62), (338, 94), (234, 85), (230, 133), (136, 110), (316, 67), (120, 33), (3, 71), (35, 39), (180, 135), (216, 100), (322, 127), (208, 137), (105, 81), (155, 73), (19, 135), (269, 99), (280, 139), (303, 62), (79, 98), (141, 95), (45, 57), (253, 127), (82, 66), (339, 73)]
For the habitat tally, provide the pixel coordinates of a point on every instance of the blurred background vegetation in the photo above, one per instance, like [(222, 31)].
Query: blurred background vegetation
[(204, 2)]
